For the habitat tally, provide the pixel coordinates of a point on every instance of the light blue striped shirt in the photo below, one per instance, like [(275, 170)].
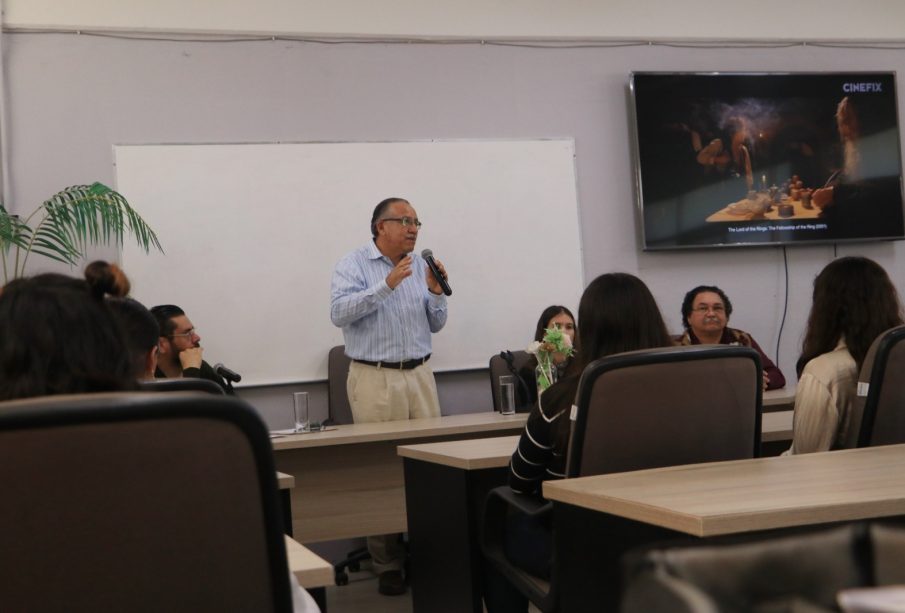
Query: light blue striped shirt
[(381, 324)]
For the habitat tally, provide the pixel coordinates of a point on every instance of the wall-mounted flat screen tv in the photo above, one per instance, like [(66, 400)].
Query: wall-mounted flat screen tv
[(738, 159)]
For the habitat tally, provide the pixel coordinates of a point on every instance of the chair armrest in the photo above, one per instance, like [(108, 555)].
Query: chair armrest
[(500, 502), (529, 504)]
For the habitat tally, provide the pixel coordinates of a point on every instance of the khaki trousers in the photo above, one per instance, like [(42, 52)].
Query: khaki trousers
[(385, 394)]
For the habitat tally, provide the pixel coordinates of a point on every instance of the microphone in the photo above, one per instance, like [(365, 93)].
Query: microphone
[(230, 375), (428, 256)]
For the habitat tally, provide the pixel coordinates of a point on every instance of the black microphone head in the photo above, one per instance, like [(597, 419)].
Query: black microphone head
[(227, 373), (427, 253)]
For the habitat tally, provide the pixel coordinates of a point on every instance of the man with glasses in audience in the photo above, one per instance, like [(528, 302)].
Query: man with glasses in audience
[(705, 315), (179, 348), (388, 304)]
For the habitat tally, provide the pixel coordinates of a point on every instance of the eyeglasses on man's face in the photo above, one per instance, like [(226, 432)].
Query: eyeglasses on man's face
[(704, 308), (405, 221), (187, 334)]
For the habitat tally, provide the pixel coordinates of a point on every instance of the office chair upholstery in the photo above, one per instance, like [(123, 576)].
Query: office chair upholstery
[(707, 395), (879, 405), (498, 368), (337, 395), (638, 410), (797, 572), (139, 502), (187, 384)]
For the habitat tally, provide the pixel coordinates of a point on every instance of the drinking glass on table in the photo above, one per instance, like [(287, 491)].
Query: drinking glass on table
[(507, 394), (300, 411)]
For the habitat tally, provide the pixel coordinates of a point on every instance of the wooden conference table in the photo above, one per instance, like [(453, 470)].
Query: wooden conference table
[(311, 571), (779, 400), (446, 484), (349, 480), (732, 212), (597, 518)]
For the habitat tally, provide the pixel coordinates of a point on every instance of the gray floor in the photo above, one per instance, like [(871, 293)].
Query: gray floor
[(361, 595)]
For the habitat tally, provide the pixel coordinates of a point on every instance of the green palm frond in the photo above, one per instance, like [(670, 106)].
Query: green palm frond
[(70, 221), (13, 231)]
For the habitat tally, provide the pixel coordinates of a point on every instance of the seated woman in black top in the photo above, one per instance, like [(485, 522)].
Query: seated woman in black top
[(617, 313), (554, 316)]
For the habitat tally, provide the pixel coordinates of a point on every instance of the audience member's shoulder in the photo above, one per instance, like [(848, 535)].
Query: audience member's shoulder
[(831, 365), (558, 397), (738, 337)]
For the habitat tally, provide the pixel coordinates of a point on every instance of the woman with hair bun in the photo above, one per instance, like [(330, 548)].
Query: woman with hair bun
[(107, 279), (58, 338)]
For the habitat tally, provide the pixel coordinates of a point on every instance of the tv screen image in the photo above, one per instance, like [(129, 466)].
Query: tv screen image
[(736, 159)]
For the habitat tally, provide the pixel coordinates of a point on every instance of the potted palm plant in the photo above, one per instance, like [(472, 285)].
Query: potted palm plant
[(66, 224)]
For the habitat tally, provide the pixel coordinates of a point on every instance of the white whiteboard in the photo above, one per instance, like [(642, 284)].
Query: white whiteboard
[(252, 233)]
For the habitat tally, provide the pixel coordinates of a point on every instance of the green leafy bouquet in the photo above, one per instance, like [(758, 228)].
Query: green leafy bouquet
[(555, 342)]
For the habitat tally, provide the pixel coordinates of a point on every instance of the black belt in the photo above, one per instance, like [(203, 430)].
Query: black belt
[(407, 365)]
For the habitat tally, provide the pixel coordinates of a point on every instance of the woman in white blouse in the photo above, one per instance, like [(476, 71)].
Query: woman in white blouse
[(854, 302)]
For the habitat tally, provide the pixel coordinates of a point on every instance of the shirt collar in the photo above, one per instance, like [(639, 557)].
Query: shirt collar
[(374, 252)]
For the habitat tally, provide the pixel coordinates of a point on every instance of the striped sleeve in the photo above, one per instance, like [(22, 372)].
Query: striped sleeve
[(536, 458)]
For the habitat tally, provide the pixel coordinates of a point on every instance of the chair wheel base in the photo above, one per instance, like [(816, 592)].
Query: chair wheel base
[(342, 579)]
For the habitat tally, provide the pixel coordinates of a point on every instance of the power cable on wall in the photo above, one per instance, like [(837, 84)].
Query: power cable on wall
[(551, 43), (785, 302)]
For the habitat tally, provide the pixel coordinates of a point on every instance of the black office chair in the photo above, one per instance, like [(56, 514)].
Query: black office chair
[(341, 413), (337, 396), (710, 397), (510, 363), (186, 384), (112, 502), (879, 405)]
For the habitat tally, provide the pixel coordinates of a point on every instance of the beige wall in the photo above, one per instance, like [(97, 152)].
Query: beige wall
[(613, 19)]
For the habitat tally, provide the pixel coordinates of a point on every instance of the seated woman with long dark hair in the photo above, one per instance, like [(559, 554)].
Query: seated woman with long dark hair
[(617, 313), (554, 316), (854, 302)]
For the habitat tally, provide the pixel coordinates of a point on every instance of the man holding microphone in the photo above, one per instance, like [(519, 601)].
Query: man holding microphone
[(388, 303)]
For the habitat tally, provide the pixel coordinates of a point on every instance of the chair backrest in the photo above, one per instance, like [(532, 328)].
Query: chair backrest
[(880, 400), (139, 502), (666, 407), (186, 384), (789, 572), (499, 367), (337, 396)]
